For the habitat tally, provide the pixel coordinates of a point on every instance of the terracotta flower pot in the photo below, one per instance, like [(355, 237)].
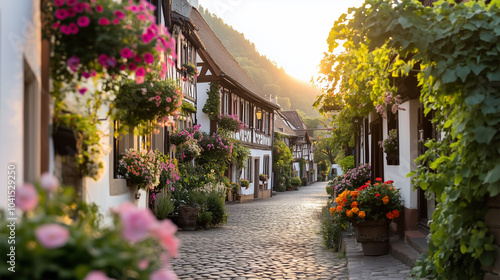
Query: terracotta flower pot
[(373, 236), (188, 217)]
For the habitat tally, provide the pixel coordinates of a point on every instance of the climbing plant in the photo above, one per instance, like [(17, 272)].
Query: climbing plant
[(457, 46), (212, 106)]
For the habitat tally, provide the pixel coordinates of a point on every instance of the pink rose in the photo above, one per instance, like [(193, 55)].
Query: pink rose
[(164, 231), (26, 197), (96, 275), (83, 21), (49, 182), (52, 236), (163, 274), (149, 58), (136, 222)]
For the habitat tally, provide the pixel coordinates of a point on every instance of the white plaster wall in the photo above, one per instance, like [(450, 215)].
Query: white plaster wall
[(408, 152), (201, 100), (255, 153), (98, 192), (20, 38)]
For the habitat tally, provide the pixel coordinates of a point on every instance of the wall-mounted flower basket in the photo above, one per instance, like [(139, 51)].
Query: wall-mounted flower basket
[(190, 70), (64, 141)]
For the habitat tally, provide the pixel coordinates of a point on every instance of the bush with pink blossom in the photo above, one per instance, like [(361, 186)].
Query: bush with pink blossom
[(230, 123), (60, 237)]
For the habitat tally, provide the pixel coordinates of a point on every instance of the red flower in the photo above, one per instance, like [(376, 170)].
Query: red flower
[(389, 182), (378, 179), (377, 195)]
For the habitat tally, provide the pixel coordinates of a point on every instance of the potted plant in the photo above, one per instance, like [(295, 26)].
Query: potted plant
[(142, 168), (295, 182), (188, 150), (189, 212), (190, 70), (244, 183), (390, 147), (370, 209), (263, 177), (235, 188)]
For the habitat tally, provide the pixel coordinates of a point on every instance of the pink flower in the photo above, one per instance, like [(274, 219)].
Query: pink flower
[(58, 3), (116, 21), (55, 25), (132, 66), (163, 274), (137, 58), (99, 8), (164, 231), (26, 197), (139, 80), (119, 14), (82, 91), (49, 182), (136, 222), (149, 58), (86, 75), (93, 73), (61, 14), (71, 2), (147, 37), (169, 99), (123, 67), (52, 236), (65, 29), (71, 12), (103, 21), (141, 17), (126, 53), (96, 275), (73, 63), (102, 59), (140, 71), (79, 8), (83, 21), (143, 264), (73, 29)]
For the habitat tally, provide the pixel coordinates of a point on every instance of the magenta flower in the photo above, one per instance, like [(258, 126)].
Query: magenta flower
[(147, 37), (52, 236), (168, 99), (97, 275), (55, 25), (126, 53), (83, 21), (73, 63), (163, 274), (79, 8), (26, 197), (99, 8), (132, 66), (116, 21), (61, 14), (71, 2), (82, 91), (140, 72), (65, 29), (102, 59), (71, 12), (49, 182), (73, 29), (136, 222), (58, 3), (103, 21), (141, 17), (137, 58), (119, 14), (149, 58), (123, 67), (86, 75)]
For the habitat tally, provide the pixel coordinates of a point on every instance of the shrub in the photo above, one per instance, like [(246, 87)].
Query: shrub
[(351, 180), (331, 229), (164, 207), (295, 181), (205, 219), (347, 163), (215, 204)]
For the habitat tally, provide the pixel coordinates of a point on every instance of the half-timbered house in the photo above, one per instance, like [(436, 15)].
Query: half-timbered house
[(240, 96)]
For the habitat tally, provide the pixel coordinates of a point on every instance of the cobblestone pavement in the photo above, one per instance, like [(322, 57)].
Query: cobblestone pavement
[(275, 238)]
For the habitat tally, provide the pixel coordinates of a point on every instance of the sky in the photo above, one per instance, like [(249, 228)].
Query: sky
[(292, 33)]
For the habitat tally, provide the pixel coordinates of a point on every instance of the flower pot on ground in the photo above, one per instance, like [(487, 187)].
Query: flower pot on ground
[(188, 216), (371, 208), (295, 182)]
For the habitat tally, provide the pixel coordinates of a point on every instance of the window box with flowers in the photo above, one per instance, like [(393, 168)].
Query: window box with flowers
[(370, 209), (390, 147), (244, 183), (190, 70), (230, 123)]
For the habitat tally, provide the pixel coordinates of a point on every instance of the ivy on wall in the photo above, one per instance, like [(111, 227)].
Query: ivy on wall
[(457, 46), (212, 106)]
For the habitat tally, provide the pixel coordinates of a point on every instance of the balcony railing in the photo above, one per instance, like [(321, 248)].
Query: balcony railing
[(249, 135)]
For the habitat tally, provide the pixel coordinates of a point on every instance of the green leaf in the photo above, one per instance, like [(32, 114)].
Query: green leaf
[(404, 22), (474, 99), (449, 76), (484, 134), (462, 72), (448, 123), (487, 36), (493, 175)]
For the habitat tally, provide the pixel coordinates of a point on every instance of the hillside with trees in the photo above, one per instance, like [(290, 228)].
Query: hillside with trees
[(292, 93)]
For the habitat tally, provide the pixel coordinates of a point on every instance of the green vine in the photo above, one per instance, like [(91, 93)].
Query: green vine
[(457, 48), (212, 106)]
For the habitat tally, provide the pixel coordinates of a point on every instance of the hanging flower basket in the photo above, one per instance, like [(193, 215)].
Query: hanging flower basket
[(190, 70)]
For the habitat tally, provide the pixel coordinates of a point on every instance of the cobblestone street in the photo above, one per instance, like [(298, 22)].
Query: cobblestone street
[(276, 238)]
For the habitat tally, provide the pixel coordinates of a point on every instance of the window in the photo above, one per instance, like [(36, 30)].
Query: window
[(266, 165), (266, 123), (236, 101), (392, 123)]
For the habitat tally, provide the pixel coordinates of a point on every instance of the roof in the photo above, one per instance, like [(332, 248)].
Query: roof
[(281, 126), (227, 64), (295, 120)]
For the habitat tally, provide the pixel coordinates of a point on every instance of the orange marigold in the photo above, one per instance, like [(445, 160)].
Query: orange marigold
[(332, 210), (395, 213), (361, 214), (389, 215), (355, 210), (354, 204), (354, 194), (348, 213), (385, 199), (339, 208)]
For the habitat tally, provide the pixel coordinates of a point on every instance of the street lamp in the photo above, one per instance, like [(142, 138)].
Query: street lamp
[(259, 114)]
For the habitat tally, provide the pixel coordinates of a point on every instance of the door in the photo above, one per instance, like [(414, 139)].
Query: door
[(377, 152)]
